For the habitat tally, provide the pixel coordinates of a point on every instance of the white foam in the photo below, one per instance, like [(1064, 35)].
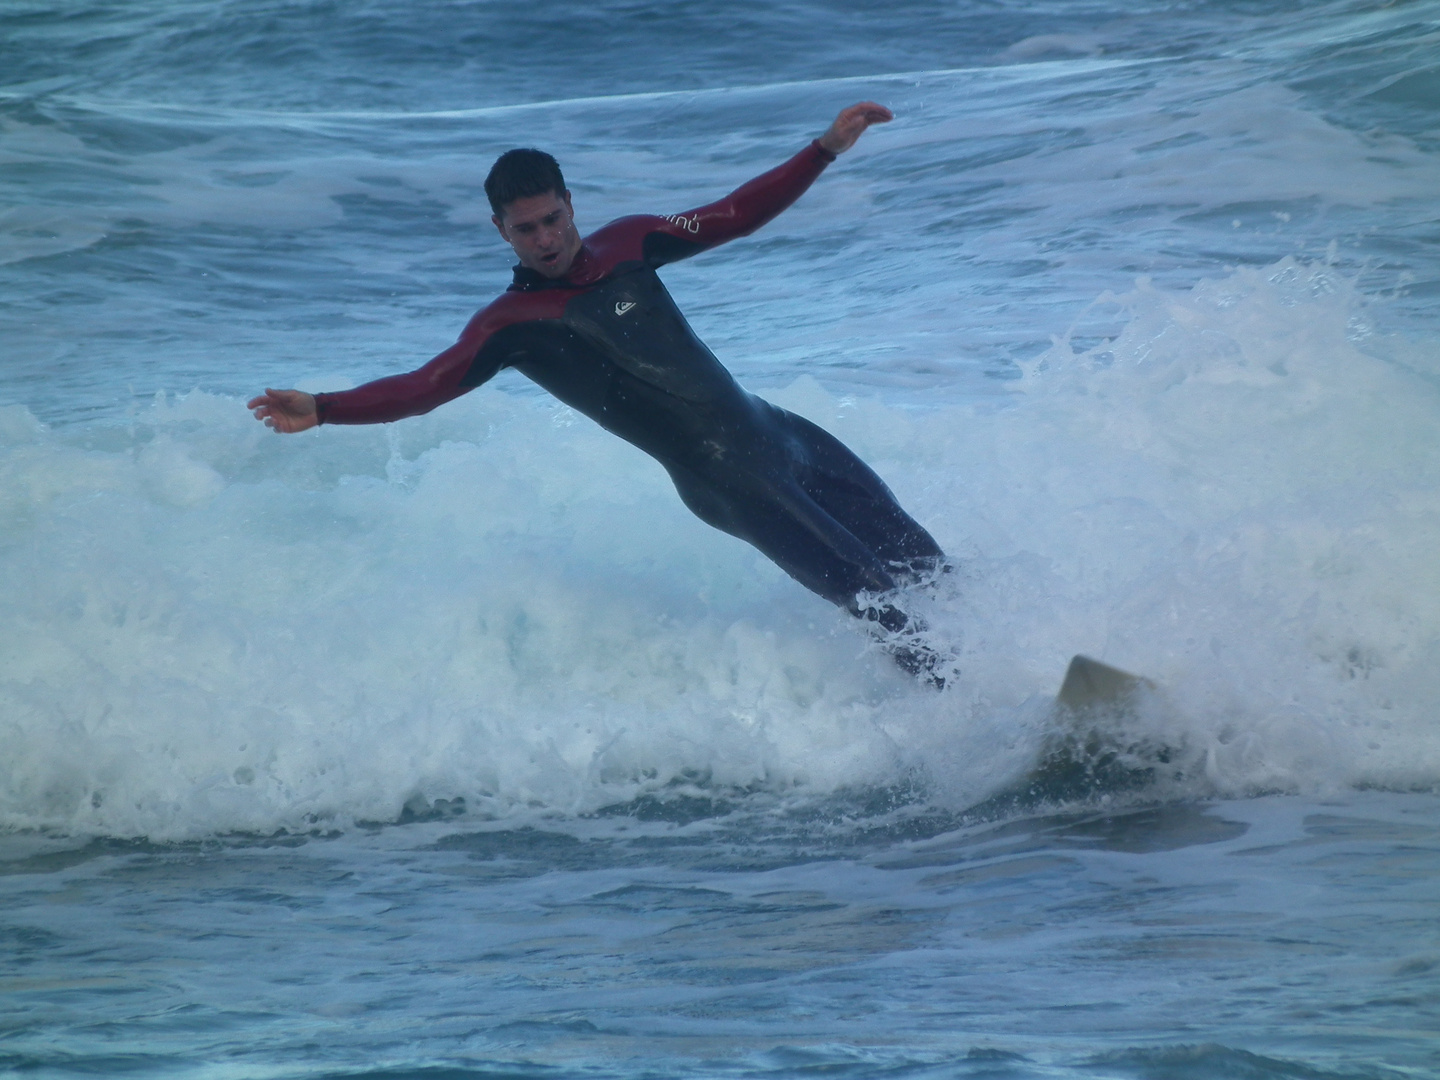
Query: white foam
[(208, 627), (1235, 499)]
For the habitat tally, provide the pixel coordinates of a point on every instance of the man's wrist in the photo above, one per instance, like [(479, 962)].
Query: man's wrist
[(828, 155)]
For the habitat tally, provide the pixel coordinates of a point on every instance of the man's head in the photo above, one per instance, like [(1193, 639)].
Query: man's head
[(532, 210)]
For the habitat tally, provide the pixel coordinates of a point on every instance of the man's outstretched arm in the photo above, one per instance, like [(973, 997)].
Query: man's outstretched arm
[(391, 398), (457, 370), (760, 200)]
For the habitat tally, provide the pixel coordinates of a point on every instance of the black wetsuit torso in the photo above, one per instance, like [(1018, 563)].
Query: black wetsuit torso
[(608, 340)]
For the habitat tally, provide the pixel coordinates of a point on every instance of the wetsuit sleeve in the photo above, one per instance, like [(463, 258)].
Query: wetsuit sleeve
[(457, 370), (740, 213)]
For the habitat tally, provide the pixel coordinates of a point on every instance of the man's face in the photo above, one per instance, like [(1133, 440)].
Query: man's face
[(541, 229)]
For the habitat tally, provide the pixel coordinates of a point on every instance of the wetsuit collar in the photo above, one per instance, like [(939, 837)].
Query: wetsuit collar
[(581, 273), (527, 280)]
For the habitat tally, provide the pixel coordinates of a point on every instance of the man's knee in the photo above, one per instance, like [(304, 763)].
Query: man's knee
[(709, 505)]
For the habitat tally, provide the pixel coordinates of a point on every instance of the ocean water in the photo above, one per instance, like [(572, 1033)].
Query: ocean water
[(458, 748)]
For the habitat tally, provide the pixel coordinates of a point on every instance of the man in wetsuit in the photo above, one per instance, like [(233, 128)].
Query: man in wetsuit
[(589, 320)]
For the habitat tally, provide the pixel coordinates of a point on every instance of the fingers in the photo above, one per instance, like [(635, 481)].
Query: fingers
[(271, 399), (275, 408), (286, 411), (280, 400), (266, 407), (851, 124), (275, 421), (871, 112), (270, 419)]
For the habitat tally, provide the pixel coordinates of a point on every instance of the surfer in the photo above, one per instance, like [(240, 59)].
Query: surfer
[(589, 320)]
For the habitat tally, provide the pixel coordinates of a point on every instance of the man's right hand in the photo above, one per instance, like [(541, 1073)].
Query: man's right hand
[(286, 411)]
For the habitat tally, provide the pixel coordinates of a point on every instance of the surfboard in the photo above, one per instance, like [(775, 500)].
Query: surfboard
[(1096, 747)]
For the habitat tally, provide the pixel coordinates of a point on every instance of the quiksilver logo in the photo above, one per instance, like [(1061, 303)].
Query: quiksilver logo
[(621, 307)]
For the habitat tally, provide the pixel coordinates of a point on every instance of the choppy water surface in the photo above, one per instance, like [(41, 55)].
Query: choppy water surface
[(457, 747), (1280, 937)]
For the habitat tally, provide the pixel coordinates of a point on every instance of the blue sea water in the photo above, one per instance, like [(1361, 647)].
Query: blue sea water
[(457, 748)]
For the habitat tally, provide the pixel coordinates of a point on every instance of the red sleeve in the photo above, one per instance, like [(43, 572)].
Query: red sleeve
[(747, 207), (397, 396)]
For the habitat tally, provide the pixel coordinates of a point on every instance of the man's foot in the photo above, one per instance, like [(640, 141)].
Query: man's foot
[(902, 640)]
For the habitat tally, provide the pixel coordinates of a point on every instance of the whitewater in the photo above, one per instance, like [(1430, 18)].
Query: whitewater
[(457, 747)]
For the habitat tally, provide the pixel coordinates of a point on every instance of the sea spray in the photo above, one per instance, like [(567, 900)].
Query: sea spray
[(212, 628), (1237, 499)]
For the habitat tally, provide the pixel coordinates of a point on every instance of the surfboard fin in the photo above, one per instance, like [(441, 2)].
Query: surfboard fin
[(1089, 684), (1094, 751)]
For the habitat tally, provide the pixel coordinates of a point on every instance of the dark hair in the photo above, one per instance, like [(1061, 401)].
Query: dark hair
[(519, 174)]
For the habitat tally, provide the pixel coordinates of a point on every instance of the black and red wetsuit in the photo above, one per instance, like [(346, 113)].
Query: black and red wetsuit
[(608, 340)]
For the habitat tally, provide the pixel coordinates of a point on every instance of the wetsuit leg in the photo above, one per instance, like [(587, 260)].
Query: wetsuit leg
[(862, 503), (773, 513), (828, 521), (850, 492)]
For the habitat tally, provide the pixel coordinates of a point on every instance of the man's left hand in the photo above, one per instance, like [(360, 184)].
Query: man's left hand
[(851, 124)]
